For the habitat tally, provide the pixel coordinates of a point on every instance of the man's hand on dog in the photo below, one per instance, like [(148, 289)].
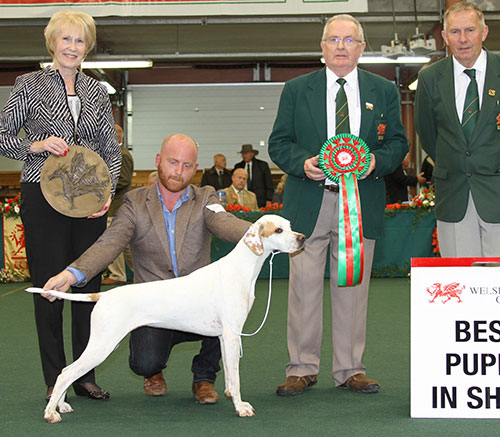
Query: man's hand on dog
[(60, 282)]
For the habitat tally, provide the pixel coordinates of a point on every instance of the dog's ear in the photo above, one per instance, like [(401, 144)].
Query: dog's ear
[(253, 239)]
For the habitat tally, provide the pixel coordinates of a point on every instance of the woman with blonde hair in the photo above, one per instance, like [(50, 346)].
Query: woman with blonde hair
[(58, 107)]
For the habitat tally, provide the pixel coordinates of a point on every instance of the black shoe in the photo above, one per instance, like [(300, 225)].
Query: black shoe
[(91, 391), (50, 389)]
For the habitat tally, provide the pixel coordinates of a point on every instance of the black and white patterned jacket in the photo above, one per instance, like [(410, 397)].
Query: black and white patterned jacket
[(38, 104)]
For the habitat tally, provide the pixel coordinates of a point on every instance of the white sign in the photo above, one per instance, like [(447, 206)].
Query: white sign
[(455, 338), (103, 8)]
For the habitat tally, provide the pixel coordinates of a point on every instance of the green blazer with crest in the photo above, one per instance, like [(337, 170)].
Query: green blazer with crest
[(461, 167), (300, 129)]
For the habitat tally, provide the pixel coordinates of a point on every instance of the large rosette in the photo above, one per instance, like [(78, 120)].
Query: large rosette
[(344, 159)]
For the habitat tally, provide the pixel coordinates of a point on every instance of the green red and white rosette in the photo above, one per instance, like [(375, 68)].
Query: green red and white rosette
[(344, 159)]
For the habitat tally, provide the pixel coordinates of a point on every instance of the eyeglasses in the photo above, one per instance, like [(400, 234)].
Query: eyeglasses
[(347, 41)]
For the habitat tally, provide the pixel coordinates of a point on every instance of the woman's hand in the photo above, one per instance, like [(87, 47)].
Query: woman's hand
[(103, 211), (56, 146)]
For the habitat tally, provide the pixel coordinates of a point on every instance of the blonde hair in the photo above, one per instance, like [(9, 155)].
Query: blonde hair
[(81, 20), (464, 6), (344, 17)]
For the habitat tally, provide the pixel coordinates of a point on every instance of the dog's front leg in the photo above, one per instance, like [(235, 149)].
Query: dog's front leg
[(230, 347)]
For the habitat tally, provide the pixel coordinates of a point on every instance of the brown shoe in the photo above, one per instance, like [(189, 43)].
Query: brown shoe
[(204, 392), (110, 281), (295, 385), (361, 384), (155, 385)]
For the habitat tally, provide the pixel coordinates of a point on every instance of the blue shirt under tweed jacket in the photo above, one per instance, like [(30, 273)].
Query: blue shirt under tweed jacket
[(38, 104)]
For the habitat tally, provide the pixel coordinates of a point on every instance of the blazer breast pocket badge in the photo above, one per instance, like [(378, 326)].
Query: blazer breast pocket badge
[(381, 131)]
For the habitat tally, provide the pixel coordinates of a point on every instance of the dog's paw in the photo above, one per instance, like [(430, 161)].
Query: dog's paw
[(244, 409), (227, 393), (52, 416), (64, 407)]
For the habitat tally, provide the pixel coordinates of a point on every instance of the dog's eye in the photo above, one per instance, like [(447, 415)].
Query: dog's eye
[(278, 230)]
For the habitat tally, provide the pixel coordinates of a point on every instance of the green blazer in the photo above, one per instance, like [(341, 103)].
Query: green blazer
[(460, 167), (300, 130)]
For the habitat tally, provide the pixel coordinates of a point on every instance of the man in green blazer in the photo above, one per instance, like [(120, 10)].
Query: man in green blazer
[(305, 120), (467, 170)]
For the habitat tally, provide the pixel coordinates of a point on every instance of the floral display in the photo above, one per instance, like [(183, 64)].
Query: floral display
[(9, 275), (234, 207), (272, 207), (425, 199), (423, 202), (11, 207)]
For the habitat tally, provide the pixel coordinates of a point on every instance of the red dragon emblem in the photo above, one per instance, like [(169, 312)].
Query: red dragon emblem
[(445, 292)]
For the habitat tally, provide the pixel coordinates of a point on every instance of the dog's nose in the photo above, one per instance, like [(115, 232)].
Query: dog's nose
[(301, 238)]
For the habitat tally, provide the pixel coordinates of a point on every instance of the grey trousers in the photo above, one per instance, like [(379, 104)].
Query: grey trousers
[(470, 237), (305, 302)]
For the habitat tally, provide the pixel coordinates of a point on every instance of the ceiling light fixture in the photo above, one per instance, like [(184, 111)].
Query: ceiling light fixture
[(398, 60), (109, 64)]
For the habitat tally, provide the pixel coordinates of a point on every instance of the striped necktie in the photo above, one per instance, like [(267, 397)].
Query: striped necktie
[(342, 114), (471, 105)]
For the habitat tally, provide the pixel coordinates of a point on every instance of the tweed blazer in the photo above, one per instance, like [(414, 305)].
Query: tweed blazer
[(262, 181), (249, 198), (140, 223), (461, 167), (38, 104), (300, 129)]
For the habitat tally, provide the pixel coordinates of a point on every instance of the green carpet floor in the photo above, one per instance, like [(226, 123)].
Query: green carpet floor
[(321, 410)]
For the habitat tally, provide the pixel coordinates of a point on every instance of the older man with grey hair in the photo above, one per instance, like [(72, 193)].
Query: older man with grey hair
[(339, 98)]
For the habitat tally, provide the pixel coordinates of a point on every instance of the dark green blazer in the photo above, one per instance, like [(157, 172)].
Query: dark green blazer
[(460, 167), (300, 130)]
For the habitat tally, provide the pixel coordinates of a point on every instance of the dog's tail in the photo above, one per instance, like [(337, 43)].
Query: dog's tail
[(78, 297)]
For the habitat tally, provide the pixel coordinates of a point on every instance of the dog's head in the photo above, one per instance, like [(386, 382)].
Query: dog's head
[(273, 232)]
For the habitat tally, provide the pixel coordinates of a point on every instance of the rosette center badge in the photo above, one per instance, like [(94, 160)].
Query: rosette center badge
[(344, 154)]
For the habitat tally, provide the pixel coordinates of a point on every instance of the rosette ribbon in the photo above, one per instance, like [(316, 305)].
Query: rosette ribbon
[(344, 158)]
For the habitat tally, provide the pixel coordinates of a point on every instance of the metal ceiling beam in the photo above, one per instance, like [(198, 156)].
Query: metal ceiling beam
[(131, 21)]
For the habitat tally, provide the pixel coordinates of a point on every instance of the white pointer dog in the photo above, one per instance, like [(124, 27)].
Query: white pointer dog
[(213, 301)]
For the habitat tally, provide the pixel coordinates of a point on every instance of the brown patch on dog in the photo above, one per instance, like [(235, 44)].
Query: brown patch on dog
[(254, 242), (269, 229), (94, 297)]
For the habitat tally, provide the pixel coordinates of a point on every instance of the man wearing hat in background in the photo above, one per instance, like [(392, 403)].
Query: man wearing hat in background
[(259, 176)]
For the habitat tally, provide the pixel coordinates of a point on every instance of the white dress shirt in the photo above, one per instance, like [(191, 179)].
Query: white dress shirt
[(351, 88), (462, 81)]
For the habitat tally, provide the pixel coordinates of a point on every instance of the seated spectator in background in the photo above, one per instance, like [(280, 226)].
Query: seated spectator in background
[(218, 176), (153, 177), (427, 169), (259, 181), (117, 270), (236, 194), (280, 188), (396, 183)]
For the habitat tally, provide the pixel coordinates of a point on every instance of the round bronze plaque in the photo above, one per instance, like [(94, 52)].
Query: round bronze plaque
[(78, 184)]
